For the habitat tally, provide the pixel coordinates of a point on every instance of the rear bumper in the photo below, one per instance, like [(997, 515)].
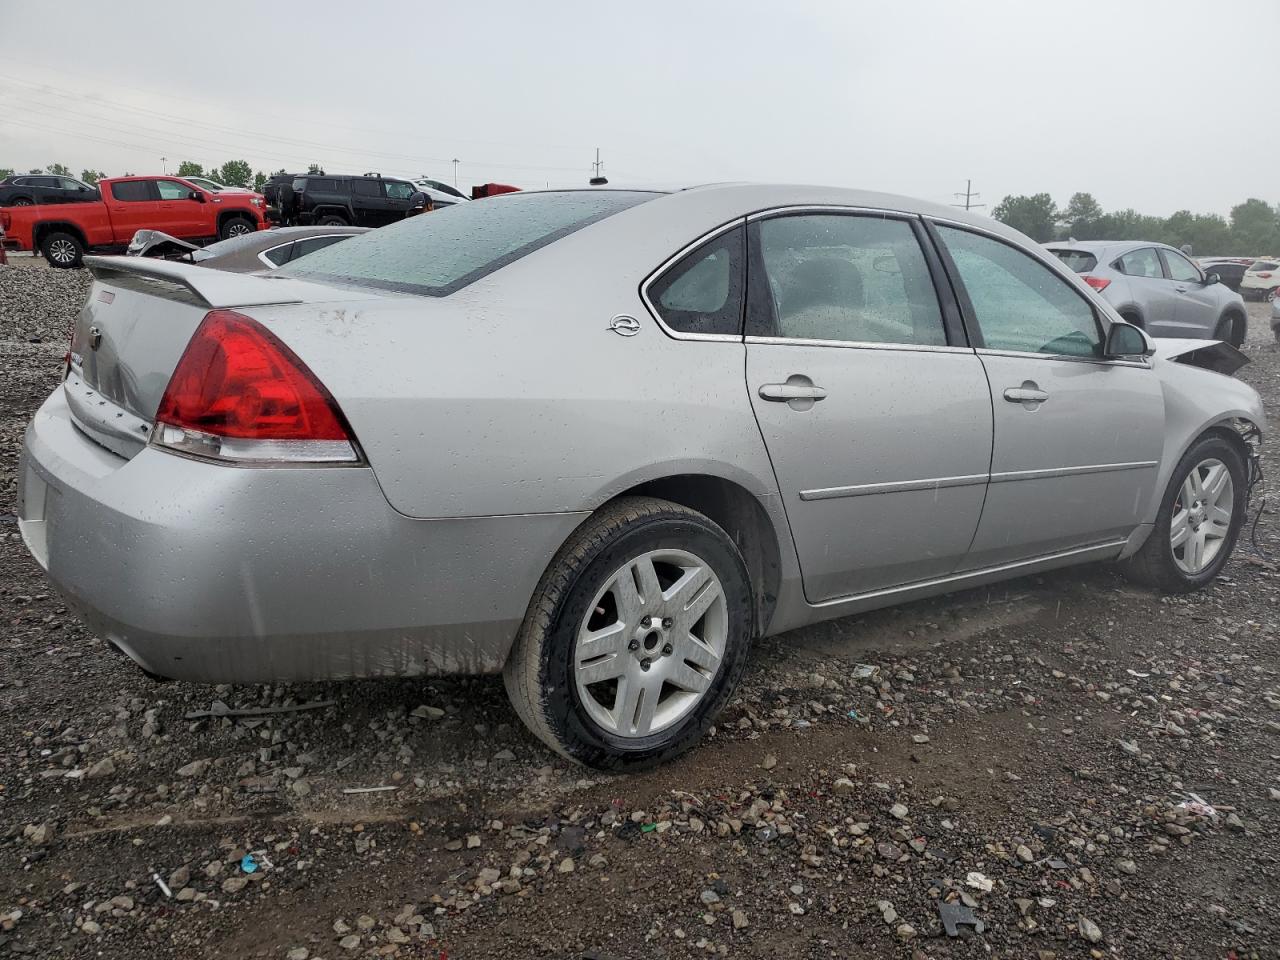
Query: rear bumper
[(225, 574)]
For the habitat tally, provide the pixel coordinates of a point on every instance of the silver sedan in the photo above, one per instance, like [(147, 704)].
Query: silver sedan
[(598, 440)]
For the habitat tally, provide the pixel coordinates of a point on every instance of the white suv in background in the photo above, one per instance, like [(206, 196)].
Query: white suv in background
[(1261, 280)]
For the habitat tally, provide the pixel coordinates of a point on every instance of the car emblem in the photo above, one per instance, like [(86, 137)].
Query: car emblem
[(625, 326), (95, 338)]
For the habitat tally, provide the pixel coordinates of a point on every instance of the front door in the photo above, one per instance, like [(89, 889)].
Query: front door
[(1197, 312), (182, 216), (1078, 438), (877, 422)]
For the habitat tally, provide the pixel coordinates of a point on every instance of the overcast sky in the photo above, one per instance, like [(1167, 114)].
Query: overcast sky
[(1155, 105)]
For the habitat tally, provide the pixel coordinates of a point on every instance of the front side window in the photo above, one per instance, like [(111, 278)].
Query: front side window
[(860, 279), (436, 256), (131, 191), (173, 190), (399, 190), (1141, 263), (702, 292), (1018, 302), (1180, 268)]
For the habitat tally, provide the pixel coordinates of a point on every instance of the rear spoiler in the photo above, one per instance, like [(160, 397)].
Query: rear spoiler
[(203, 285)]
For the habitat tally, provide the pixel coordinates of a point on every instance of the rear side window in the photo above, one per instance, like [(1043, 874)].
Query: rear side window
[(1141, 263), (280, 254), (448, 250), (320, 185), (702, 292), (1077, 260), (839, 277), (365, 188), (1262, 265), (131, 191)]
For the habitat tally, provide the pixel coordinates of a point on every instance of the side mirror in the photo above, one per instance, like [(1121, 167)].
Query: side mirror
[(1126, 340), (1211, 279), (197, 196)]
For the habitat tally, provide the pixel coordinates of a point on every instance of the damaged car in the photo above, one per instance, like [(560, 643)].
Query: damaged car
[(249, 253), (600, 440)]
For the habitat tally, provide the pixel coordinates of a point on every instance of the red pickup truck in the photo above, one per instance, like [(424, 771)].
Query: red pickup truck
[(65, 232)]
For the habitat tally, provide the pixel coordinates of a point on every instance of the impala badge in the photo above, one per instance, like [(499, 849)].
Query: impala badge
[(95, 337), (624, 326)]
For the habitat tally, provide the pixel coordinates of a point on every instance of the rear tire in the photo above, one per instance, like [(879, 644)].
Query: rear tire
[(644, 691), (236, 227), (62, 250), (333, 220), (1169, 567), (23, 202)]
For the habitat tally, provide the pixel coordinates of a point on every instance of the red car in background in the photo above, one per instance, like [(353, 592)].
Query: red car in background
[(65, 232)]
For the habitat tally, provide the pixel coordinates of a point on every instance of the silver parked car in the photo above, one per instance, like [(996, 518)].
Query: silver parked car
[(599, 440), (1157, 288)]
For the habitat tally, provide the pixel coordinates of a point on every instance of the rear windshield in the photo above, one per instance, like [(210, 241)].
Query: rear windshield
[(1078, 260), (438, 253)]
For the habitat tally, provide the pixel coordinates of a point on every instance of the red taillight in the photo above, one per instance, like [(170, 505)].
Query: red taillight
[(1264, 276), (1098, 283), (239, 393)]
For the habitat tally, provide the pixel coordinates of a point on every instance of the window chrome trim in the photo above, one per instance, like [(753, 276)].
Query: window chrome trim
[(903, 486), (1065, 357), (800, 208), (737, 222), (859, 344)]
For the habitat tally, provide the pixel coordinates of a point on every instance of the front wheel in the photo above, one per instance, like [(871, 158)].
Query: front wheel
[(1199, 520), (1231, 330), (635, 638), (235, 227)]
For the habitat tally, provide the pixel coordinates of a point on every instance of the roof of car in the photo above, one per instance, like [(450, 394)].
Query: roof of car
[(1112, 247)]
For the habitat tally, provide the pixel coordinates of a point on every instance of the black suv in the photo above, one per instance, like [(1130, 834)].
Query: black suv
[(321, 198), (23, 190)]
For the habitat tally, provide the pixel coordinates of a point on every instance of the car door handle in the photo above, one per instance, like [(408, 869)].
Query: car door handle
[(786, 392), (1027, 393), (1180, 289)]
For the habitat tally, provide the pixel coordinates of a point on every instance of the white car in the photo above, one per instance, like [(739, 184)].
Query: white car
[(1261, 280), (213, 186), (441, 194)]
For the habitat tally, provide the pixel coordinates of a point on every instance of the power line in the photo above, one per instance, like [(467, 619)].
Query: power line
[(969, 196)]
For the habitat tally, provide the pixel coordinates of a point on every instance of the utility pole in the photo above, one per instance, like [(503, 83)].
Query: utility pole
[(598, 164), (969, 197), (455, 173), (164, 163)]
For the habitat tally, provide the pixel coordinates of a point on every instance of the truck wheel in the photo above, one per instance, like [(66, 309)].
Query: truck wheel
[(333, 220), (23, 202), (235, 227), (62, 250), (635, 637)]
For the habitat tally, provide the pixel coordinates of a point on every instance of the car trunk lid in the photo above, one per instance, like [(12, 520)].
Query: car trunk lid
[(133, 329)]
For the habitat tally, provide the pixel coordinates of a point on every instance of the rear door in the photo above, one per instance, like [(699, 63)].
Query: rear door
[(133, 205), (1151, 290), (1198, 306), (368, 202), (875, 412), (1078, 438)]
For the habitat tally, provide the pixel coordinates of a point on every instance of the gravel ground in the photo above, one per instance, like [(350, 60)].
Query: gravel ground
[(1066, 765)]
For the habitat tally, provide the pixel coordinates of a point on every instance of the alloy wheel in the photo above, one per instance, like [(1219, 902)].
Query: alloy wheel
[(63, 251), (238, 228), (651, 643), (1202, 516)]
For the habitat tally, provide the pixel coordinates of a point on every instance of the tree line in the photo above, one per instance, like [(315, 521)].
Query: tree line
[(1253, 228), (233, 173)]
